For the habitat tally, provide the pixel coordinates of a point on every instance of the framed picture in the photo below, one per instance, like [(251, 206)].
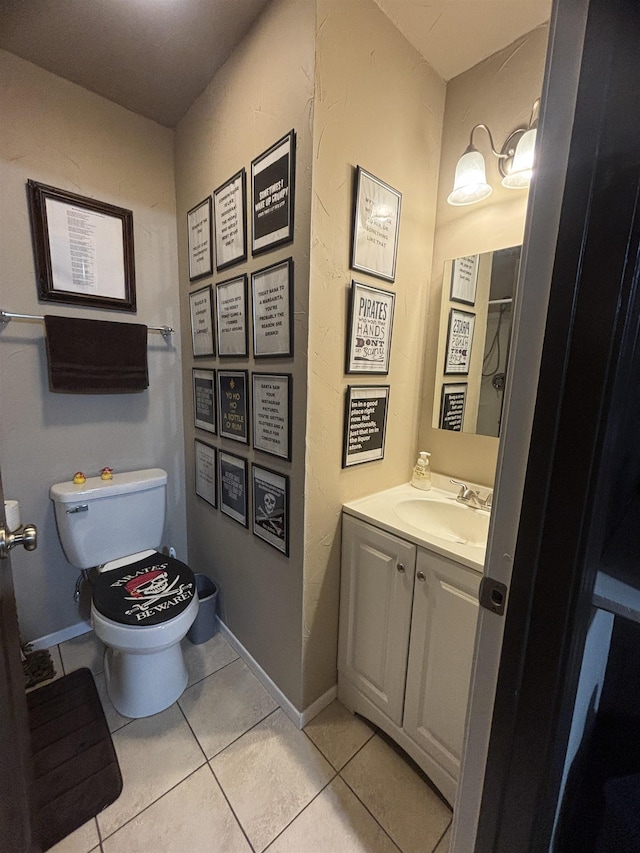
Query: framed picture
[(233, 405), (233, 486), (83, 249), (204, 399), (272, 195), (459, 342), (231, 313), (230, 219), (370, 327), (199, 240), (205, 462), (271, 507), (365, 423), (271, 407), (272, 296), (464, 279), (200, 302), (376, 225), (452, 403)]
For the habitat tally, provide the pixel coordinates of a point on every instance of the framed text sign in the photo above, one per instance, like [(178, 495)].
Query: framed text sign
[(272, 296), (234, 405), (230, 218), (375, 227), (365, 423), (370, 327), (83, 249), (200, 304), (271, 407), (272, 195), (233, 486), (452, 403), (271, 507), (459, 342), (464, 279), (199, 240), (204, 399), (205, 472), (231, 306)]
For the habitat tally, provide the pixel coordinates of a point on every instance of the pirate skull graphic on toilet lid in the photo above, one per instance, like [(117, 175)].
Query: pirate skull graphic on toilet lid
[(147, 592)]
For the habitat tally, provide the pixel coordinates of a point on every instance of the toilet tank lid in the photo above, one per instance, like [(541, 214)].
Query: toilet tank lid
[(121, 484)]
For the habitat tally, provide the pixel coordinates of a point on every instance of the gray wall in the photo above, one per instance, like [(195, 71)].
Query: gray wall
[(59, 134)]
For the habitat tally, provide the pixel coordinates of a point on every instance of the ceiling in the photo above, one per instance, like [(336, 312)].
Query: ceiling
[(156, 56)]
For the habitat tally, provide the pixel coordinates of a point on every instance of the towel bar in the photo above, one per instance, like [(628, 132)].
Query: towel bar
[(6, 316)]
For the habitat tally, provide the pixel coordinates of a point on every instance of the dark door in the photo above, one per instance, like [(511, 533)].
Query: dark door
[(15, 750), (583, 470)]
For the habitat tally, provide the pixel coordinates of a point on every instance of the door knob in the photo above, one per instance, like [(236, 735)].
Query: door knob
[(421, 576), (26, 535), (400, 568)]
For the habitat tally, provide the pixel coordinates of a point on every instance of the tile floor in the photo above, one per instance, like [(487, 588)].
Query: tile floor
[(224, 770)]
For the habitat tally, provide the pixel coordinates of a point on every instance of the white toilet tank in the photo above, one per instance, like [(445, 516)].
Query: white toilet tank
[(104, 520)]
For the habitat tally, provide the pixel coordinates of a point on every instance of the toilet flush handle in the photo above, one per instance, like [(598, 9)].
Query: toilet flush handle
[(79, 508)]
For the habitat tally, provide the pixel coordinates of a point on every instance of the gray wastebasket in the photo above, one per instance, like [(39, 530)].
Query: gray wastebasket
[(204, 626)]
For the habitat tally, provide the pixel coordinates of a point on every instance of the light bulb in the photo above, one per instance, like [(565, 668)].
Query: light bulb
[(519, 176), (470, 183)]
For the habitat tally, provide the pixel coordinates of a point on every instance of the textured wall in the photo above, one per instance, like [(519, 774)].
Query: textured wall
[(378, 105), (263, 90), (59, 134)]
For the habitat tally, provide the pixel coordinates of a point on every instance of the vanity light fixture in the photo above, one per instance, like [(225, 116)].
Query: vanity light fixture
[(515, 162)]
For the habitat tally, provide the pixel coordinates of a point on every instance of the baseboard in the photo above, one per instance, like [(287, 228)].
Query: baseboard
[(69, 633), (298, 718)]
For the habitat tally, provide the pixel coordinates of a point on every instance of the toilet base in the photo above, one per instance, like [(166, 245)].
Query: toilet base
[(140, 685)]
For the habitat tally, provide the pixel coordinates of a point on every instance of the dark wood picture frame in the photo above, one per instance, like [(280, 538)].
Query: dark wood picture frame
[(209, 375), (267, 511), (367, 234), (265, 321), (457, 361), (369, 348), (238, 251), (448, 417), (356, 437), (240, 463), (281, 432), (228, 409), (243, 327), (211, 452), (202, 230), (270, 177), (97, 228), (202, 347)]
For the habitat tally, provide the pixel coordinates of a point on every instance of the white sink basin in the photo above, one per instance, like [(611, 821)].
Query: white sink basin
[(446, 520)]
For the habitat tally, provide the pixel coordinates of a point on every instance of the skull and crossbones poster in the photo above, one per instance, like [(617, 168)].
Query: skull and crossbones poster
[(271, 507)]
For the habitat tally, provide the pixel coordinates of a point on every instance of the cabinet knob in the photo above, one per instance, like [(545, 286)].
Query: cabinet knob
[(421, 576), (400, 568)]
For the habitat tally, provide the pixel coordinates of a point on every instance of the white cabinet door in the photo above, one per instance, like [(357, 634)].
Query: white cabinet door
[(375, 613), (443, 630)]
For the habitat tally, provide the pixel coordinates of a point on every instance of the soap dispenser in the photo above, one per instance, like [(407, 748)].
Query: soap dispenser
[(421, 477)]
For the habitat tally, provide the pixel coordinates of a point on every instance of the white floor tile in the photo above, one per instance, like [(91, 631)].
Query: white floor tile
[(335, 821), (400, 800), (114, 719), (193, 817), (269, 775), (154, 753), (84, 839), (85, 650), (225, 705), (205, 658), (338, 733)]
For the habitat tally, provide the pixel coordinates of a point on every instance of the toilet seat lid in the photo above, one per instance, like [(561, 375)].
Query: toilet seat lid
[(147, 592)]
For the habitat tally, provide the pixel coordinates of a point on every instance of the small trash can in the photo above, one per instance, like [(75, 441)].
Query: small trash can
[(204, 626)]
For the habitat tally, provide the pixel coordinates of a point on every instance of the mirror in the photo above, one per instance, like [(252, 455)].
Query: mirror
[(474, 338)]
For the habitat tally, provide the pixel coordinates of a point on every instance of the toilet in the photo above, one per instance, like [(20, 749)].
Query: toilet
[(143, 602)]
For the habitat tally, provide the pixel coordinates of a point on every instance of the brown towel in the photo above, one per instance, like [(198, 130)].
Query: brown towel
[(96, 357)]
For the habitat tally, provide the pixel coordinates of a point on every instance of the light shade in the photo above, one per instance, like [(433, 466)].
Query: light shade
[(470, 184), (519, 176)]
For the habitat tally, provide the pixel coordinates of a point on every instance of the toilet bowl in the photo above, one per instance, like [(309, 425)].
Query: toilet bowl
[(143, 602)]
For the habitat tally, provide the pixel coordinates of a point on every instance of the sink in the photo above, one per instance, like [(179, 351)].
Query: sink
[(446, 520)]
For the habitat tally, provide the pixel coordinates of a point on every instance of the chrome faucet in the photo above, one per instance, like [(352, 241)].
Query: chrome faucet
[(469, 497)]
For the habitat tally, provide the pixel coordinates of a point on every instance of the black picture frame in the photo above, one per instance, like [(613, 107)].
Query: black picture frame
[(365, 424), (233, 405), (233, 491), (375, 226), (199, 244), (204, 399), (83, 249), (271, 405), (370, 329), (273, 195), (205, 472), (453, 400), (270, 507), (272, 307), (232, 317), (464, 279), (202, 329), (230, 221), (459, 342)]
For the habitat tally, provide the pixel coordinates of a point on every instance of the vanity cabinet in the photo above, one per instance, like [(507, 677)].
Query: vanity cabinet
[(407, 632)]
